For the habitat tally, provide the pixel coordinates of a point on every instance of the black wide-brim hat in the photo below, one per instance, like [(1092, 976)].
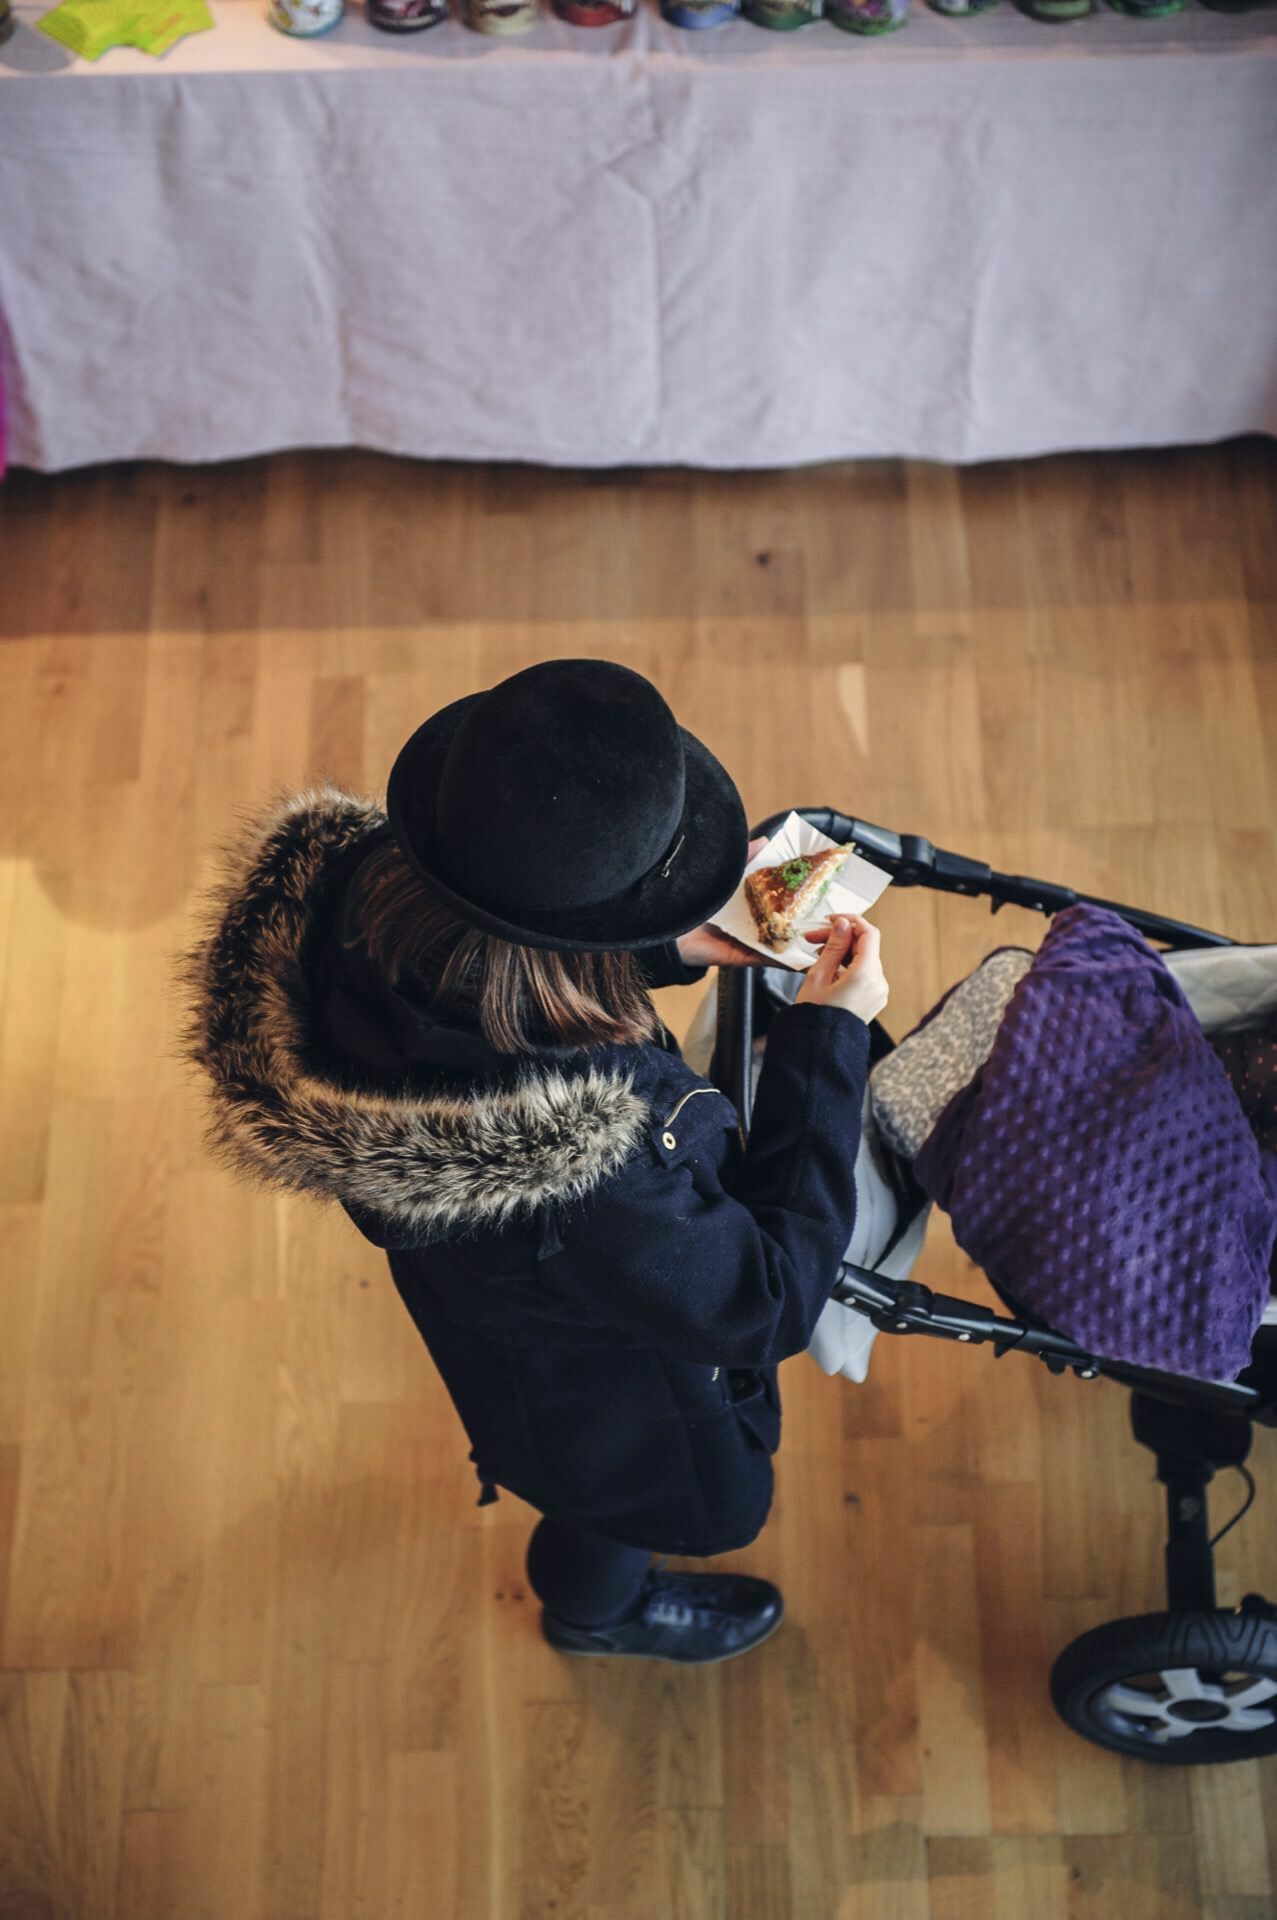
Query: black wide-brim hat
[(566, 809)]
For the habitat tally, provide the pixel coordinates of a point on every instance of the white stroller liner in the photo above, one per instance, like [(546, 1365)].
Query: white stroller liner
[(1227, 987)]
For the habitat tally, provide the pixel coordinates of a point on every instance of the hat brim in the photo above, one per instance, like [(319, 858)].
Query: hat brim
[(704, 875)]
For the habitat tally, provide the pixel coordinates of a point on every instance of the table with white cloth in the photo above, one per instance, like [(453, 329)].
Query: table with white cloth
[(968, 240)]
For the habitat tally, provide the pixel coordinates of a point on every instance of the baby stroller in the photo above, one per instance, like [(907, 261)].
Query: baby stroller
[(1196, 1684)]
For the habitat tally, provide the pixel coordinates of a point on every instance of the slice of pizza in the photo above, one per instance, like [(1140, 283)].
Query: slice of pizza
[(780, 898)]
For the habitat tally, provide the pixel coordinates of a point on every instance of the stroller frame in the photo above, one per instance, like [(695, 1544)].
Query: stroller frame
[(1193, 1427)]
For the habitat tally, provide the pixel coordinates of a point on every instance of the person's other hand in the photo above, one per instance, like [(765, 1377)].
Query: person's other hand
[(848, 972), (707, 947)]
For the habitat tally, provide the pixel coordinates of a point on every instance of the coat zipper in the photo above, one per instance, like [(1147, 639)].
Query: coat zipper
[(670, 1142), (689, 1095)]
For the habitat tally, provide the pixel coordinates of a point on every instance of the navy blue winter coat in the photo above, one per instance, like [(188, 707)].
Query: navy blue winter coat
[(604, 1278)]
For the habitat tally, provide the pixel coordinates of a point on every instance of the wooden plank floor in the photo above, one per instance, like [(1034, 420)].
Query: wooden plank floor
[(263, 1657)]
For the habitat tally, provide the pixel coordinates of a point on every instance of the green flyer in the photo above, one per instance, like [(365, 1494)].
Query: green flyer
[(91, 27)]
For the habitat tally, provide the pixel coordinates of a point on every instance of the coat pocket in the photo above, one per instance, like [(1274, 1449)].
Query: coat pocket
[(754, 1397)]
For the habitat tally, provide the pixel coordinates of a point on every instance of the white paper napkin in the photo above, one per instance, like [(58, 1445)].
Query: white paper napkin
[(857, 885)]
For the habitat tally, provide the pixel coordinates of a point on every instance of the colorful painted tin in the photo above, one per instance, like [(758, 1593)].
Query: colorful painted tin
[(782, 16), (867, 16), (305, 18), (956, 8), (406, 16), (500, 17), (700, 13), (583, 13)]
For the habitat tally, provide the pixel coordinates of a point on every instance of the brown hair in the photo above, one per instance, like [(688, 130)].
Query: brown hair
[(523, 995)]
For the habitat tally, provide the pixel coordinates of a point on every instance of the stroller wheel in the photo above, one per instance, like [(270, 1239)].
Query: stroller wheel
[(1179, 1689)]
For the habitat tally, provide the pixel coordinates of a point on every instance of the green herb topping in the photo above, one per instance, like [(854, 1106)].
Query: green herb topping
[(794, 872)]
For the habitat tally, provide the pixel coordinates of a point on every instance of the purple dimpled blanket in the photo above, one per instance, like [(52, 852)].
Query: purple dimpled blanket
[(1099, 1166)]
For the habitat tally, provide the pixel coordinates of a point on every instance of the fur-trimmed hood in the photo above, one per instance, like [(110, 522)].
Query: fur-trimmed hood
[(437, 1165)]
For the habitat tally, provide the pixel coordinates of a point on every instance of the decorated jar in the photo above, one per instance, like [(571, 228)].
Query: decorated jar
[(584, 13), (501, 17), (700, 13), (305, 18), (1055, 12), (782, 16), (956, 8), (867, 16), (406, 16), (1147, 9)]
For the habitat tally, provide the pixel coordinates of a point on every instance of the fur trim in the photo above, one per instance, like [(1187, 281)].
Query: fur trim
[(437, 1166)]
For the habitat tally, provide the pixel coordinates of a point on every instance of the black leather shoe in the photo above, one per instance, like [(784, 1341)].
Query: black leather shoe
[(694, 1618)]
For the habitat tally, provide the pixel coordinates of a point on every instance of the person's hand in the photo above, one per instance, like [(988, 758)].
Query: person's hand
[(848, 972), (707, 947)]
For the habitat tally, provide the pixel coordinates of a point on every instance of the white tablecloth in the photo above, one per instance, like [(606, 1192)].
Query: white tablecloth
[(970, 239)]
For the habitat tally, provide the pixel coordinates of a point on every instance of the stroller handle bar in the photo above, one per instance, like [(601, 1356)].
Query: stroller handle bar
[(904, 1306), (914, 862)]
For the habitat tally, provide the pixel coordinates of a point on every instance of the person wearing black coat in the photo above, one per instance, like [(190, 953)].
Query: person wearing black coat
[(604, 1278)]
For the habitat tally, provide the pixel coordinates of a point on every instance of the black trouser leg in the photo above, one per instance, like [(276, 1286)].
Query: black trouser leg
[(582, 1578)]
